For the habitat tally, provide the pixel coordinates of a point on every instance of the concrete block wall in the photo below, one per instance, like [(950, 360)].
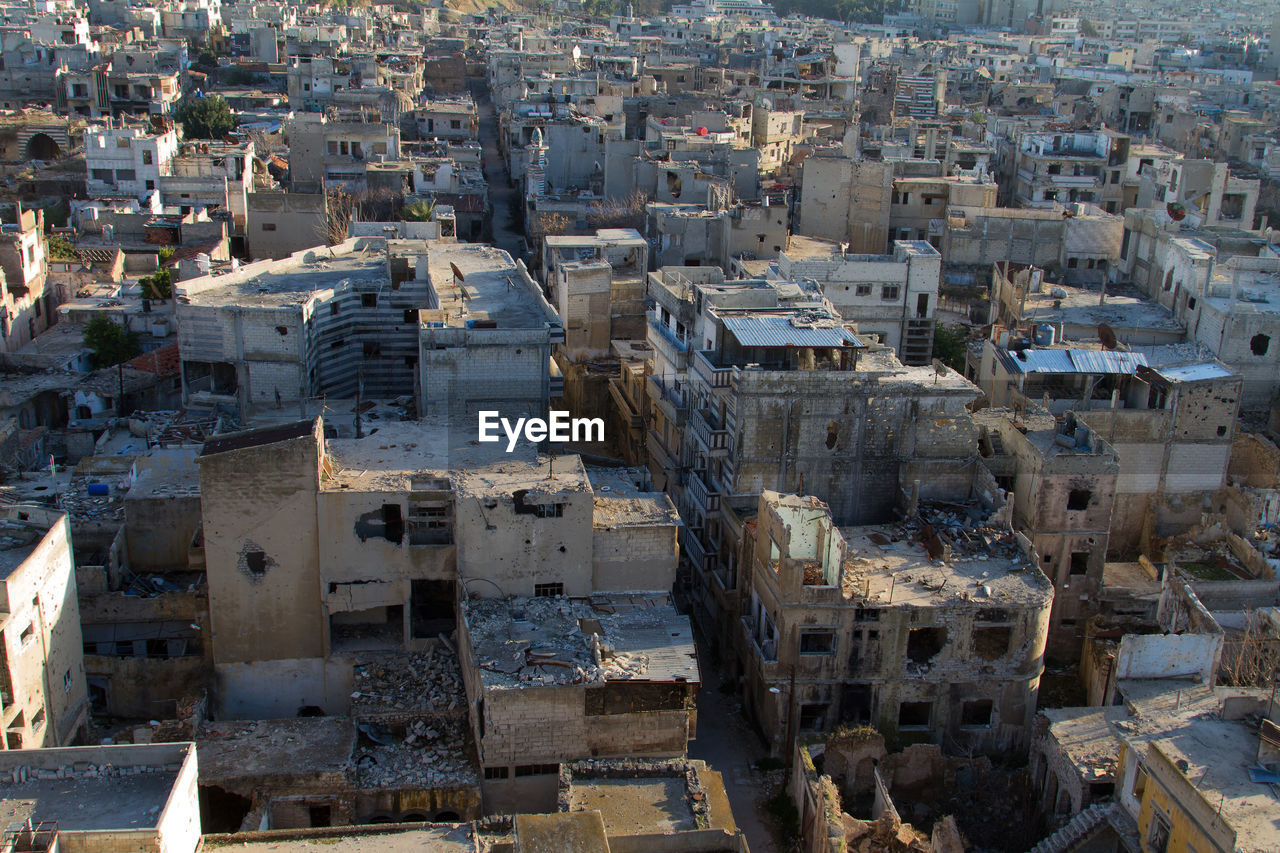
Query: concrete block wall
[(506, 370), (263, 500), (634, 557)]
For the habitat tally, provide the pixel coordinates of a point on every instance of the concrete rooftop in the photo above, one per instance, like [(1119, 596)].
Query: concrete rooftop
[(492, 288), (278, 284), (888, 564)]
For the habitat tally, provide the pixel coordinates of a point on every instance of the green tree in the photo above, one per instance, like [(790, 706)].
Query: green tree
[(1087, 29), (158, 285), (206, 118), (60, 249), (110, 343), (419, 210), (949, 346)]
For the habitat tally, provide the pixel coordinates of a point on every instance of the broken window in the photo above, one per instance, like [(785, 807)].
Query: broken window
[(1139, 784), (817, 643), (992, 643), (914, 714), (976, 712), (393, 525), (369, 300), (548, 590), (430, 522), (1158, 833), (1259, 344), (537, 770), (548, 509), (372, 349), (28, 634), (497, 772), (1078, 499), (865, 649), (813, 718), (855, 704), (1079, 564), (431, 604), (924, 644)]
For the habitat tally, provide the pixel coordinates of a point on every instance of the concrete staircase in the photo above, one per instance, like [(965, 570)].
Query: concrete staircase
[(1074, 830)]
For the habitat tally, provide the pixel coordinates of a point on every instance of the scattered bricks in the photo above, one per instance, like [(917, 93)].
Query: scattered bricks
[(413, 684), (431, 755)]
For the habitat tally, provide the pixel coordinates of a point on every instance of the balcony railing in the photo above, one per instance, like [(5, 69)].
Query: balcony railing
[(716, 377), (671, 394), (713, 438), (701, 494)]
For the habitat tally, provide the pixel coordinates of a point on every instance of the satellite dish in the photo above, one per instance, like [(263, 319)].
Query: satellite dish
[(1108, 336), (457, 273)]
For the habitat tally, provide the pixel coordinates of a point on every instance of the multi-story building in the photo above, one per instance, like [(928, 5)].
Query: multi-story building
[(891, 298), (127, 161), (932, 629), (28, 304), (42, 683), (326, 152)]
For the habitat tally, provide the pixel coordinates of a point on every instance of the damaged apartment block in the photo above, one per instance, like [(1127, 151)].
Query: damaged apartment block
[(932, 629)]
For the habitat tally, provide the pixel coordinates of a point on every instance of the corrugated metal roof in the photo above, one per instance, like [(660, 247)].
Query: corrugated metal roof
[(1042, 361), (1106, 361), (1076, 361), (777, 331)]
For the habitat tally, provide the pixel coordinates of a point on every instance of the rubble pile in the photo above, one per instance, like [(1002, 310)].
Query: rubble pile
[(554, 640), (414, 683), (431, 755)]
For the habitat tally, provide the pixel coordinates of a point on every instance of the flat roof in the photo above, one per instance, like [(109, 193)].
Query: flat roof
[(1079, 307), (1088, 738), (90, 788), (20, 537), (621, 500), (279, 284), (493, 289), (636, 806), (1215, 756), (888, 564), (438, 838), (311, 747), (544, 640)]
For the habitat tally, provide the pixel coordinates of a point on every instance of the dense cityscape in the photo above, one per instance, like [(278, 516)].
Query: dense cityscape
[(709, 426)]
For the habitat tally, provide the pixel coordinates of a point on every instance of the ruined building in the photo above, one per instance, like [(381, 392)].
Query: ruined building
[(932, 629)]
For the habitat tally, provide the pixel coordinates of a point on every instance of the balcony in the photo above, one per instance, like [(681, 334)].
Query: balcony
[(635, 421), (765, 658), (701, 494), (713, 437), (716, 377), (670, 395), (1045, 179)]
